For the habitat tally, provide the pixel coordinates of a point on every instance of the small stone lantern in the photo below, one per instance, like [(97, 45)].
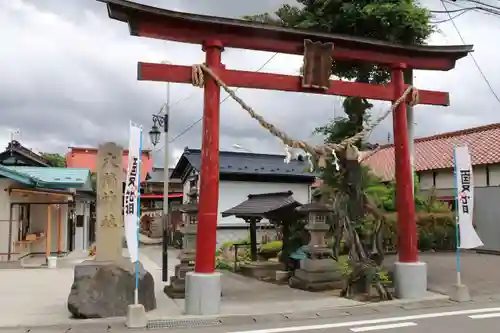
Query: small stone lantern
[(177, 286), (318, 271), (190, 211)]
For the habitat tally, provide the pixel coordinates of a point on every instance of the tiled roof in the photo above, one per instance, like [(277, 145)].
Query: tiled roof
[(87, 158), (263, 204), (156, 175), (247, 163), (436, 152)]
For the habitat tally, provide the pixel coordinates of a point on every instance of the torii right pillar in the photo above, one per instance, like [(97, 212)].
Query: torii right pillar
[(410, 274)]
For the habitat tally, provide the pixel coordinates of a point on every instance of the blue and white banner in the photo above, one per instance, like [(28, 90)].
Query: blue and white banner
[(131, 198), (469, 239)]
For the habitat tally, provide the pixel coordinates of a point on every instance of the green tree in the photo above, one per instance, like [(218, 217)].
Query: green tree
[(55, 160), (397, 21)]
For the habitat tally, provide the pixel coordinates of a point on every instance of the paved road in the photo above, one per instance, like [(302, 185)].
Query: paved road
[(461, 319)]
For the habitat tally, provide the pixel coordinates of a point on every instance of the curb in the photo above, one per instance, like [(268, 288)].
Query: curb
[(107, 324)]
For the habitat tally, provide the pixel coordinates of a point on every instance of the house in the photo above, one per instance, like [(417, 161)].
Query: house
[(34, 206), (434, 168), (152, 201), (78, 157), (153, 188), (434, 159), (16, 154), (241, 174), (82, 224)]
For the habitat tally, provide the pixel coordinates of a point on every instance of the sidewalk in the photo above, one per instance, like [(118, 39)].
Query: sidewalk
[(37, 297)]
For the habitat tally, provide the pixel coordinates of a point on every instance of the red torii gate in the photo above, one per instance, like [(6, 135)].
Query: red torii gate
[(215, 33)]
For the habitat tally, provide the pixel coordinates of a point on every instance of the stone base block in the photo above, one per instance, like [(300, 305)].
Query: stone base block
[(136, 316), (318, 265), (460, 293), (295, 282), (203, 293), (282, 275), (410, 279), (106, 289), (182, 269), (174, 293), (318, 276)]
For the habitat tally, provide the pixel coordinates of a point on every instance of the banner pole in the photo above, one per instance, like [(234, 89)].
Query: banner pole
[(457, 222), (136, 291)]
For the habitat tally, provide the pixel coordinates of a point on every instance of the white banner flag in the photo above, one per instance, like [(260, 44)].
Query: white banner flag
[(469, 239), (131, 197)]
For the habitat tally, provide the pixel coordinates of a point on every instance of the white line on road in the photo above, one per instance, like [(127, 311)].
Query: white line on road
[(371, 321), (485, 315), (382, 327)]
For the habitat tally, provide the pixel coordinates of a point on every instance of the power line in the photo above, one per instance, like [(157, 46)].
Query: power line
[(450, 19), (482, 10), (187, 129), (483, 4), (472, 56)]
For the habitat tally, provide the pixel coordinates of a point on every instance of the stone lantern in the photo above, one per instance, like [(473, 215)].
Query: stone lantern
[(177, 286), (318, 271)]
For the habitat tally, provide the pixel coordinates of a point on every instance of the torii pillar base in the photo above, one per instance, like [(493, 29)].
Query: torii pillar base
[(203, 293), (410, 279)]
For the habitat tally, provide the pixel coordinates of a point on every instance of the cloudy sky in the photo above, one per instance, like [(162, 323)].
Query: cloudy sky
[(68, 78)]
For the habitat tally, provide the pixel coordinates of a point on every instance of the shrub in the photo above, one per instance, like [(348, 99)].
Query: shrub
[(274, 247), (436, 231)]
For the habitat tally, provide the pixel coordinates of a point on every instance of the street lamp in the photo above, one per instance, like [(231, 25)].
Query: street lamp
[(161, 120)]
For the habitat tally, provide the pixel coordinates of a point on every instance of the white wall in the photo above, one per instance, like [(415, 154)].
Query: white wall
[(4, 218), (445, 180), (232, 193)]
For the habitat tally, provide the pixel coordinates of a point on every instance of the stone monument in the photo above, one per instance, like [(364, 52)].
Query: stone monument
[(318, 271), (177, 286), (104, 287)]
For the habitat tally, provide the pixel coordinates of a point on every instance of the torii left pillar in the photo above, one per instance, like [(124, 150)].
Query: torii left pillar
[(203, 286)]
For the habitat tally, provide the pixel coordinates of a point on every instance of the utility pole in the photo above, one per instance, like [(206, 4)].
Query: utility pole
[(166, 180), (408, 78), (161, 120)]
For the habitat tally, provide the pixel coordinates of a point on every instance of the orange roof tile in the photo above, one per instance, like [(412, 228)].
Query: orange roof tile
[(436, 152), (87, 158)]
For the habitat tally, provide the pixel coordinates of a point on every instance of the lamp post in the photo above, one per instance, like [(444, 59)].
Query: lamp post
[(161, 120)]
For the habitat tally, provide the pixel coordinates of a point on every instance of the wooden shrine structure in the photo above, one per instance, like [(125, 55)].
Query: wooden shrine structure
[(319, 50)]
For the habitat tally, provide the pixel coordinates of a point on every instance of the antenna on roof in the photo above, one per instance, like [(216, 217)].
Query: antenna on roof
[(13, 133)]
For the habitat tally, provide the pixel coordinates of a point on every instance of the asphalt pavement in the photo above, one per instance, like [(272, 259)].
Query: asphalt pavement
[(454, 319)]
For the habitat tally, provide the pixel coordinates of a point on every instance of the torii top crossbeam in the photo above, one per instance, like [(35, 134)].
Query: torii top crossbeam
[(148, 21)]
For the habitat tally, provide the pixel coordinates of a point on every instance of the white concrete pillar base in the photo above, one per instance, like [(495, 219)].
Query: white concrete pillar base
[(203, 293), (460, 293), (136, 316), (410, 279)]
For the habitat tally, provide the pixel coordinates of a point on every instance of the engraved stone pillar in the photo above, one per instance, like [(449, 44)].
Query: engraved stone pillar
[(177, 286), (318, 271), (109, 232)]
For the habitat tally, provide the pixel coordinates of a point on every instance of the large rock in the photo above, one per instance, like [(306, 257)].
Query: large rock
[(105, 289)]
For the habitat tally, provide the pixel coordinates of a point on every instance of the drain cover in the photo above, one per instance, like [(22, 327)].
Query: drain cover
[(182, 323)]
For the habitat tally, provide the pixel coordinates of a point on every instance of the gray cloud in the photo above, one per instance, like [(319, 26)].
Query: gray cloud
[(69, 79)]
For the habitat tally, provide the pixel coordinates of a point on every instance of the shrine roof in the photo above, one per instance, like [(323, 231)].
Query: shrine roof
[(243, 163), (262, 205), (436, 152), (161, 23)]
